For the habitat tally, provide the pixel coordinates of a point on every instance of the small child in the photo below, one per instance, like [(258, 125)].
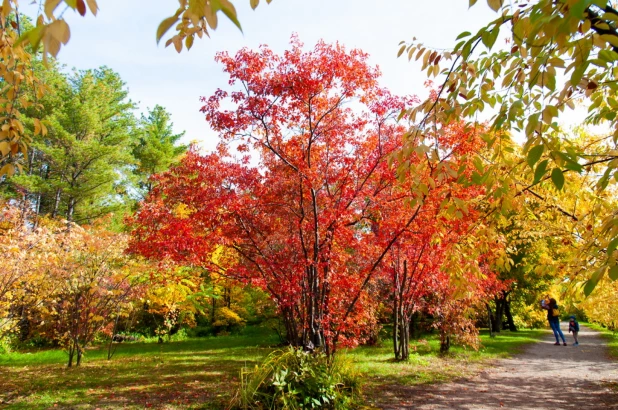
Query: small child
[(574, 327)]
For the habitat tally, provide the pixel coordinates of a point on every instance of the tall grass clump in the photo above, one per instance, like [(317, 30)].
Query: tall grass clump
[(294, 379)]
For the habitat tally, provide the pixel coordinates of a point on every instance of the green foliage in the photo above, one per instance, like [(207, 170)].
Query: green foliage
[(155, 146), (80, 168), (558, 54), (293, 379), (5, 345)]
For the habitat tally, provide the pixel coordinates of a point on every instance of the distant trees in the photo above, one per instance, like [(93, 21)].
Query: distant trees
[(84, 156), (77, 170), (95, 157)]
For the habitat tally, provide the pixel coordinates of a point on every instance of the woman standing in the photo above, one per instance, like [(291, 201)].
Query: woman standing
[(553, 317)]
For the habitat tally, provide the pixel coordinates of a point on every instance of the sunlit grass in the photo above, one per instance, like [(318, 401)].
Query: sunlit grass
[(426, 365), (196, 373), (203, 373)]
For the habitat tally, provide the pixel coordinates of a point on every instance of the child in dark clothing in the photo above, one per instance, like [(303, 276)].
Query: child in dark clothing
[(574, 327)]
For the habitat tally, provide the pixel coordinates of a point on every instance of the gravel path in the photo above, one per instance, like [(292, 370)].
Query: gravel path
[(543, 376)]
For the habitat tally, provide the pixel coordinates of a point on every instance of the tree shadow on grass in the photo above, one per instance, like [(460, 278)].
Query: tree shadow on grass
[(522, 394), (168, 379)]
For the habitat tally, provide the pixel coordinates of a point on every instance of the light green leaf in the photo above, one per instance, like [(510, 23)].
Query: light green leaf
[(228, 9), (462, 35), (578, 73), (533, 121), (577, 9), (611, 247)]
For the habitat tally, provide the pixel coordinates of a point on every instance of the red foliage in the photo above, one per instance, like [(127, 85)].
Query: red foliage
[(312, 207)]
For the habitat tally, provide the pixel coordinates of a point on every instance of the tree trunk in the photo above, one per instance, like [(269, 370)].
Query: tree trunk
[(490, 321), (37, 210), (71, 354), (509, 316), (79, 356), (212, 312), (401, 319), (413, 325), (289, 322), (314, 337), (445, 343), (405, 339), (497, 325), (227, 297), (110, 351), (396, 318), (396, 344), (56, 204), (70, 210)]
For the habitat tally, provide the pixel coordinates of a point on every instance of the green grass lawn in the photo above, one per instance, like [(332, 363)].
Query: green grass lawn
[(203, 373)]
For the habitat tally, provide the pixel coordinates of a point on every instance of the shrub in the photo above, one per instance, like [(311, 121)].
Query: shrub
[(530, 317), (5, 346), (226, 320), (180, 335), (293, 379), (201, 331)]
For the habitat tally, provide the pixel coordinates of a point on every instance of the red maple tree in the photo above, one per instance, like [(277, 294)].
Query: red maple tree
[(294, 199)]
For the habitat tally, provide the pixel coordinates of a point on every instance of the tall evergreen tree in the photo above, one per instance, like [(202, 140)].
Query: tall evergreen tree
[(80, 169), (155, 146)]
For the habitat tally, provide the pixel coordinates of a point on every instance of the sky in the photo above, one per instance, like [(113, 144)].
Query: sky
[(122, 37)]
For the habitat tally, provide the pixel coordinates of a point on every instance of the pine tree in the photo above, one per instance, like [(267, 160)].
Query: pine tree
[(81, 169), (155, 146)]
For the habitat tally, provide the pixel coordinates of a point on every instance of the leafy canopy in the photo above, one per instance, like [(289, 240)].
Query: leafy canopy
[(558, 53)]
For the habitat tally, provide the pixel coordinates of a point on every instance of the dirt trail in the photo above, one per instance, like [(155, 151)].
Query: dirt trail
[(542, 377)]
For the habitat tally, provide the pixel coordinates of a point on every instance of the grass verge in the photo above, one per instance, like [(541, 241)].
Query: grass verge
[(610, 336), (384, 376), (191, 374), (203, 373)]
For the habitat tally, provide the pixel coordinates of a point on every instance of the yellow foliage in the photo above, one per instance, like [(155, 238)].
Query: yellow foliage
[(17, 77), (531, 317), (183, 211), (226, 317), (602, 305)]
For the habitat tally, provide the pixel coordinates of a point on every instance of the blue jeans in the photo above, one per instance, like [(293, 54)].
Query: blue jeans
[(555, 326)]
